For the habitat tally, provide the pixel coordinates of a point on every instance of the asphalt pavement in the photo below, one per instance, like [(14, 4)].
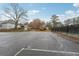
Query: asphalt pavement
[(13, 42)]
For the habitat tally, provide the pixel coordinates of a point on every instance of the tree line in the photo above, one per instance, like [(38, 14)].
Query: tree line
[(16, 13), (69, 25)]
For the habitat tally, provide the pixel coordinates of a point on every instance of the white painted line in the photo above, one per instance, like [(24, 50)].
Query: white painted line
[(61, 45), (52, 51), (57, 39), (19, 52)]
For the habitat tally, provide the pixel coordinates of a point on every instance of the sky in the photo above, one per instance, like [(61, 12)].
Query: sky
[(44, 11)]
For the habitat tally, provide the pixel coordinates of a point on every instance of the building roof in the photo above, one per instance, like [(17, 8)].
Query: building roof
[(8, 21)]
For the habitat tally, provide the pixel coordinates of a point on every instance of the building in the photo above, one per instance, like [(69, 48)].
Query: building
[(8, 24)]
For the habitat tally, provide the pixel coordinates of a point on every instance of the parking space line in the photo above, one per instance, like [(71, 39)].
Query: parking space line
[(19, 52), (51, 51), (59, 42)]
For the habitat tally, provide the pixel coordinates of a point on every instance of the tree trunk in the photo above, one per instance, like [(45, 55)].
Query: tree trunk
[(16, 24)]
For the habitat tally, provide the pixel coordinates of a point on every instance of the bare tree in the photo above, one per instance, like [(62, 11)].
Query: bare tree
[(68, 22), (72, 21), (16, 13)]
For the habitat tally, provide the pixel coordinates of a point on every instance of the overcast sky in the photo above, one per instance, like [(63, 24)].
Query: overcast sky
[(45, 10)]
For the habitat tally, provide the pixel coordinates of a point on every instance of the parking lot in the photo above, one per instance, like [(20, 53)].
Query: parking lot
[(36, 43)]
